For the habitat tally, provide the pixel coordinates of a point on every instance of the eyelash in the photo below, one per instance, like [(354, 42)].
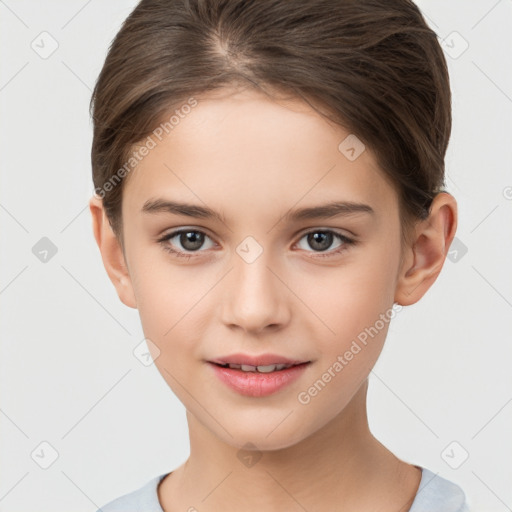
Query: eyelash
[(347, 242)]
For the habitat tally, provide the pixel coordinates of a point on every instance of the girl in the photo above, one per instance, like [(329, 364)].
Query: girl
[(269, 195)]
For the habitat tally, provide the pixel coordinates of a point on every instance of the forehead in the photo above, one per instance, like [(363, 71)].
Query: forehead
[(236, 149)]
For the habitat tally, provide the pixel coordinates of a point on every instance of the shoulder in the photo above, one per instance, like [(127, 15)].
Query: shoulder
[(437, 493), (144, 499)]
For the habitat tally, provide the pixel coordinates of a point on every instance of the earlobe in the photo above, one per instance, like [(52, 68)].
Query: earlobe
[(111, 253), (425, 258)]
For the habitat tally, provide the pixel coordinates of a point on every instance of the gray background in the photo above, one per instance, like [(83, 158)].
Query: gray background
[(69, 379)]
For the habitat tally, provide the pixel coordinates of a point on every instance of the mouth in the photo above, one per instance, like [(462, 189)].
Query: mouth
[(262, 363), (258, 380), (266, 375), (268, 368)]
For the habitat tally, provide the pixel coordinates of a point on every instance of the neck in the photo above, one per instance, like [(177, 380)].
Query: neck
[(341, 467)]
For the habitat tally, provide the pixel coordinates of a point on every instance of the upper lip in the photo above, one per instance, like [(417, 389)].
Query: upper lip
[(261, 360)]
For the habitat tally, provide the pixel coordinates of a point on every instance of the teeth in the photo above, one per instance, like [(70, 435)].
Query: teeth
[(272, 368), (261, 369)]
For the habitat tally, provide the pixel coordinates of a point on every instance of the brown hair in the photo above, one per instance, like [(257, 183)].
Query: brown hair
[(372, 66)]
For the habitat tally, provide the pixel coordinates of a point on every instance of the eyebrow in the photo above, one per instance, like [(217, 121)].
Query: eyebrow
[(325, 211), (177, 208)]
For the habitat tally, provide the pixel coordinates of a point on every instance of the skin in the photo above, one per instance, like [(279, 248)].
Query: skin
[(253, 160)]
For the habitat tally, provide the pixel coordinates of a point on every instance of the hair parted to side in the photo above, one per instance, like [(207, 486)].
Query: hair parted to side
[(371, 66)]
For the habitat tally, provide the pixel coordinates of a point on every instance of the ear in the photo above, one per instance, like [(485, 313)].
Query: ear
[(424, 258), (111, 253)]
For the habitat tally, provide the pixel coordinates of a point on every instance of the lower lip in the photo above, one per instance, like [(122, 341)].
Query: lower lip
[(258, 384)]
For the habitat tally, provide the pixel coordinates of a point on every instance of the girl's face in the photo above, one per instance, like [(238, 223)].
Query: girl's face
[(256, 276)]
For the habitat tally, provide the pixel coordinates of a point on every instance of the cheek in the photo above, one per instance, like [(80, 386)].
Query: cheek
[(165, 291), (356, 311), (350, 298), (353, 306), (175, 309)]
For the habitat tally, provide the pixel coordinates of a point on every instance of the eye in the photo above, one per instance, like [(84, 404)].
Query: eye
[(191, 240), (322, 239)]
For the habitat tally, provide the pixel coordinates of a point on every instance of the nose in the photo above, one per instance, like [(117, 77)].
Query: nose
[(255, 298)]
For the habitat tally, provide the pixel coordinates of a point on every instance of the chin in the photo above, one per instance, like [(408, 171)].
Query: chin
[(256, 438)]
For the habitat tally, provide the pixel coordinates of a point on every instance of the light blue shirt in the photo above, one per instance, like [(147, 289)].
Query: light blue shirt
[(435, 494)]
